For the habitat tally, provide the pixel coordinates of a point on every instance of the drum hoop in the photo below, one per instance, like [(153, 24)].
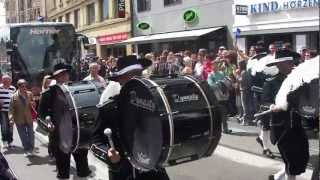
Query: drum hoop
[(77, 117), (169, 111), (206, 99)]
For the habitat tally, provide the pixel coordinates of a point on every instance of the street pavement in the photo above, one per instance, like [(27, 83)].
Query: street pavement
[(243, 138), (230, 161)]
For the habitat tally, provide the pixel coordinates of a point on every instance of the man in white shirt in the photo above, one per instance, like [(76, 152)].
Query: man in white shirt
[(94, 76)]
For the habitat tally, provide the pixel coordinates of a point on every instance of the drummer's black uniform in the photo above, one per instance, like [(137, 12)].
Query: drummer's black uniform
[(270, 90), (287, 132), (108, 115), (46, 108)]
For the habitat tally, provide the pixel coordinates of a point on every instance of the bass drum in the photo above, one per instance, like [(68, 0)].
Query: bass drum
[(82, 98), (165, 122)]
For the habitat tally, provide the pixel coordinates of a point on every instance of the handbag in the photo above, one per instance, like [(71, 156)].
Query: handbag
[(34, 113)]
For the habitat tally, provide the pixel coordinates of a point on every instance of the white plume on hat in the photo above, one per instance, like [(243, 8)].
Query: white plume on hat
[(261, 66), (304, 73)]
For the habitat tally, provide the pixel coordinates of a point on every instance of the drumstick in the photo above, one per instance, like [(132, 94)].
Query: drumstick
[(108, 133), (263, 113)]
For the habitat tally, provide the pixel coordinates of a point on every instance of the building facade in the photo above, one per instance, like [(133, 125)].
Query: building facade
[(105, 22), (19, 11), (282, 21), (179, 25)]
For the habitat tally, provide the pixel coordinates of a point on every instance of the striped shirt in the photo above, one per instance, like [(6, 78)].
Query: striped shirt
[(5, 97)]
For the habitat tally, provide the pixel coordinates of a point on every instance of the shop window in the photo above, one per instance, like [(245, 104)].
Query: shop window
[(90, 14), (7, 5), (104, 9), (76, 18), (60, 3), (144, 5), (21, 5), (29, 3), (68, 17), (115, 8), (54, 4), (172, 2)]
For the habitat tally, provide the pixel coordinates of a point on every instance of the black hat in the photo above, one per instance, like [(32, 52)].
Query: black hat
[(60, 68), (281, 56), (129, 63)]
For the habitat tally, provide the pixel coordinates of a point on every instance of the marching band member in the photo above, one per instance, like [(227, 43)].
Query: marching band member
[(119, 167), (60, 126), (286, 129)]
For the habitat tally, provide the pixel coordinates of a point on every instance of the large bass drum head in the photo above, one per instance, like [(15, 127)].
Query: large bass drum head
[(86, 96), (76, 112), (65, 116), (140, 126)]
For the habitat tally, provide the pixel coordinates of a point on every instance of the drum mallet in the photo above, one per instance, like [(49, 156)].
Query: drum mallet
[(48, 121), (108, 133)]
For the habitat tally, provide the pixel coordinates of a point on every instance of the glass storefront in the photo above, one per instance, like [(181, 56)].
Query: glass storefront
[(309, 40)]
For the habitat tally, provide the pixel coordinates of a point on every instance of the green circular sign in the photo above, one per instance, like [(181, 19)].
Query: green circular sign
[(143, 26), (190, 15)]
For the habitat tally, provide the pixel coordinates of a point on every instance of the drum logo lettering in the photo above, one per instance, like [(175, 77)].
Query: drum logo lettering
[(143, 158), (187, 98), (309, 109), (146, 104)]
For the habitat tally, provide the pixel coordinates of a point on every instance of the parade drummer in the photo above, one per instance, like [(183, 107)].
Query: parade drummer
[(286, 128), (52, 109), (119, 167)]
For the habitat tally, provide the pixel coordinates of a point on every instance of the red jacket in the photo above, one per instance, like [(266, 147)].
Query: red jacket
[(207, 69)]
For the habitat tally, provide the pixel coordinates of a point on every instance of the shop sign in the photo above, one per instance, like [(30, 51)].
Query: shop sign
[(190, 15), (241, 10), (113, 38), (274, 6), (143, 26), (121, 8), (92, 40)]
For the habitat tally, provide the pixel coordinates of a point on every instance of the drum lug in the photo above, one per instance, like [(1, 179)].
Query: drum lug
[(176, 145), (166, 114)]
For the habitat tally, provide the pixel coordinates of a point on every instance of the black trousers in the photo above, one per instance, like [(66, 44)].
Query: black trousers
[(294, 150), (125, 171), (63, 163), (51, 148)]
